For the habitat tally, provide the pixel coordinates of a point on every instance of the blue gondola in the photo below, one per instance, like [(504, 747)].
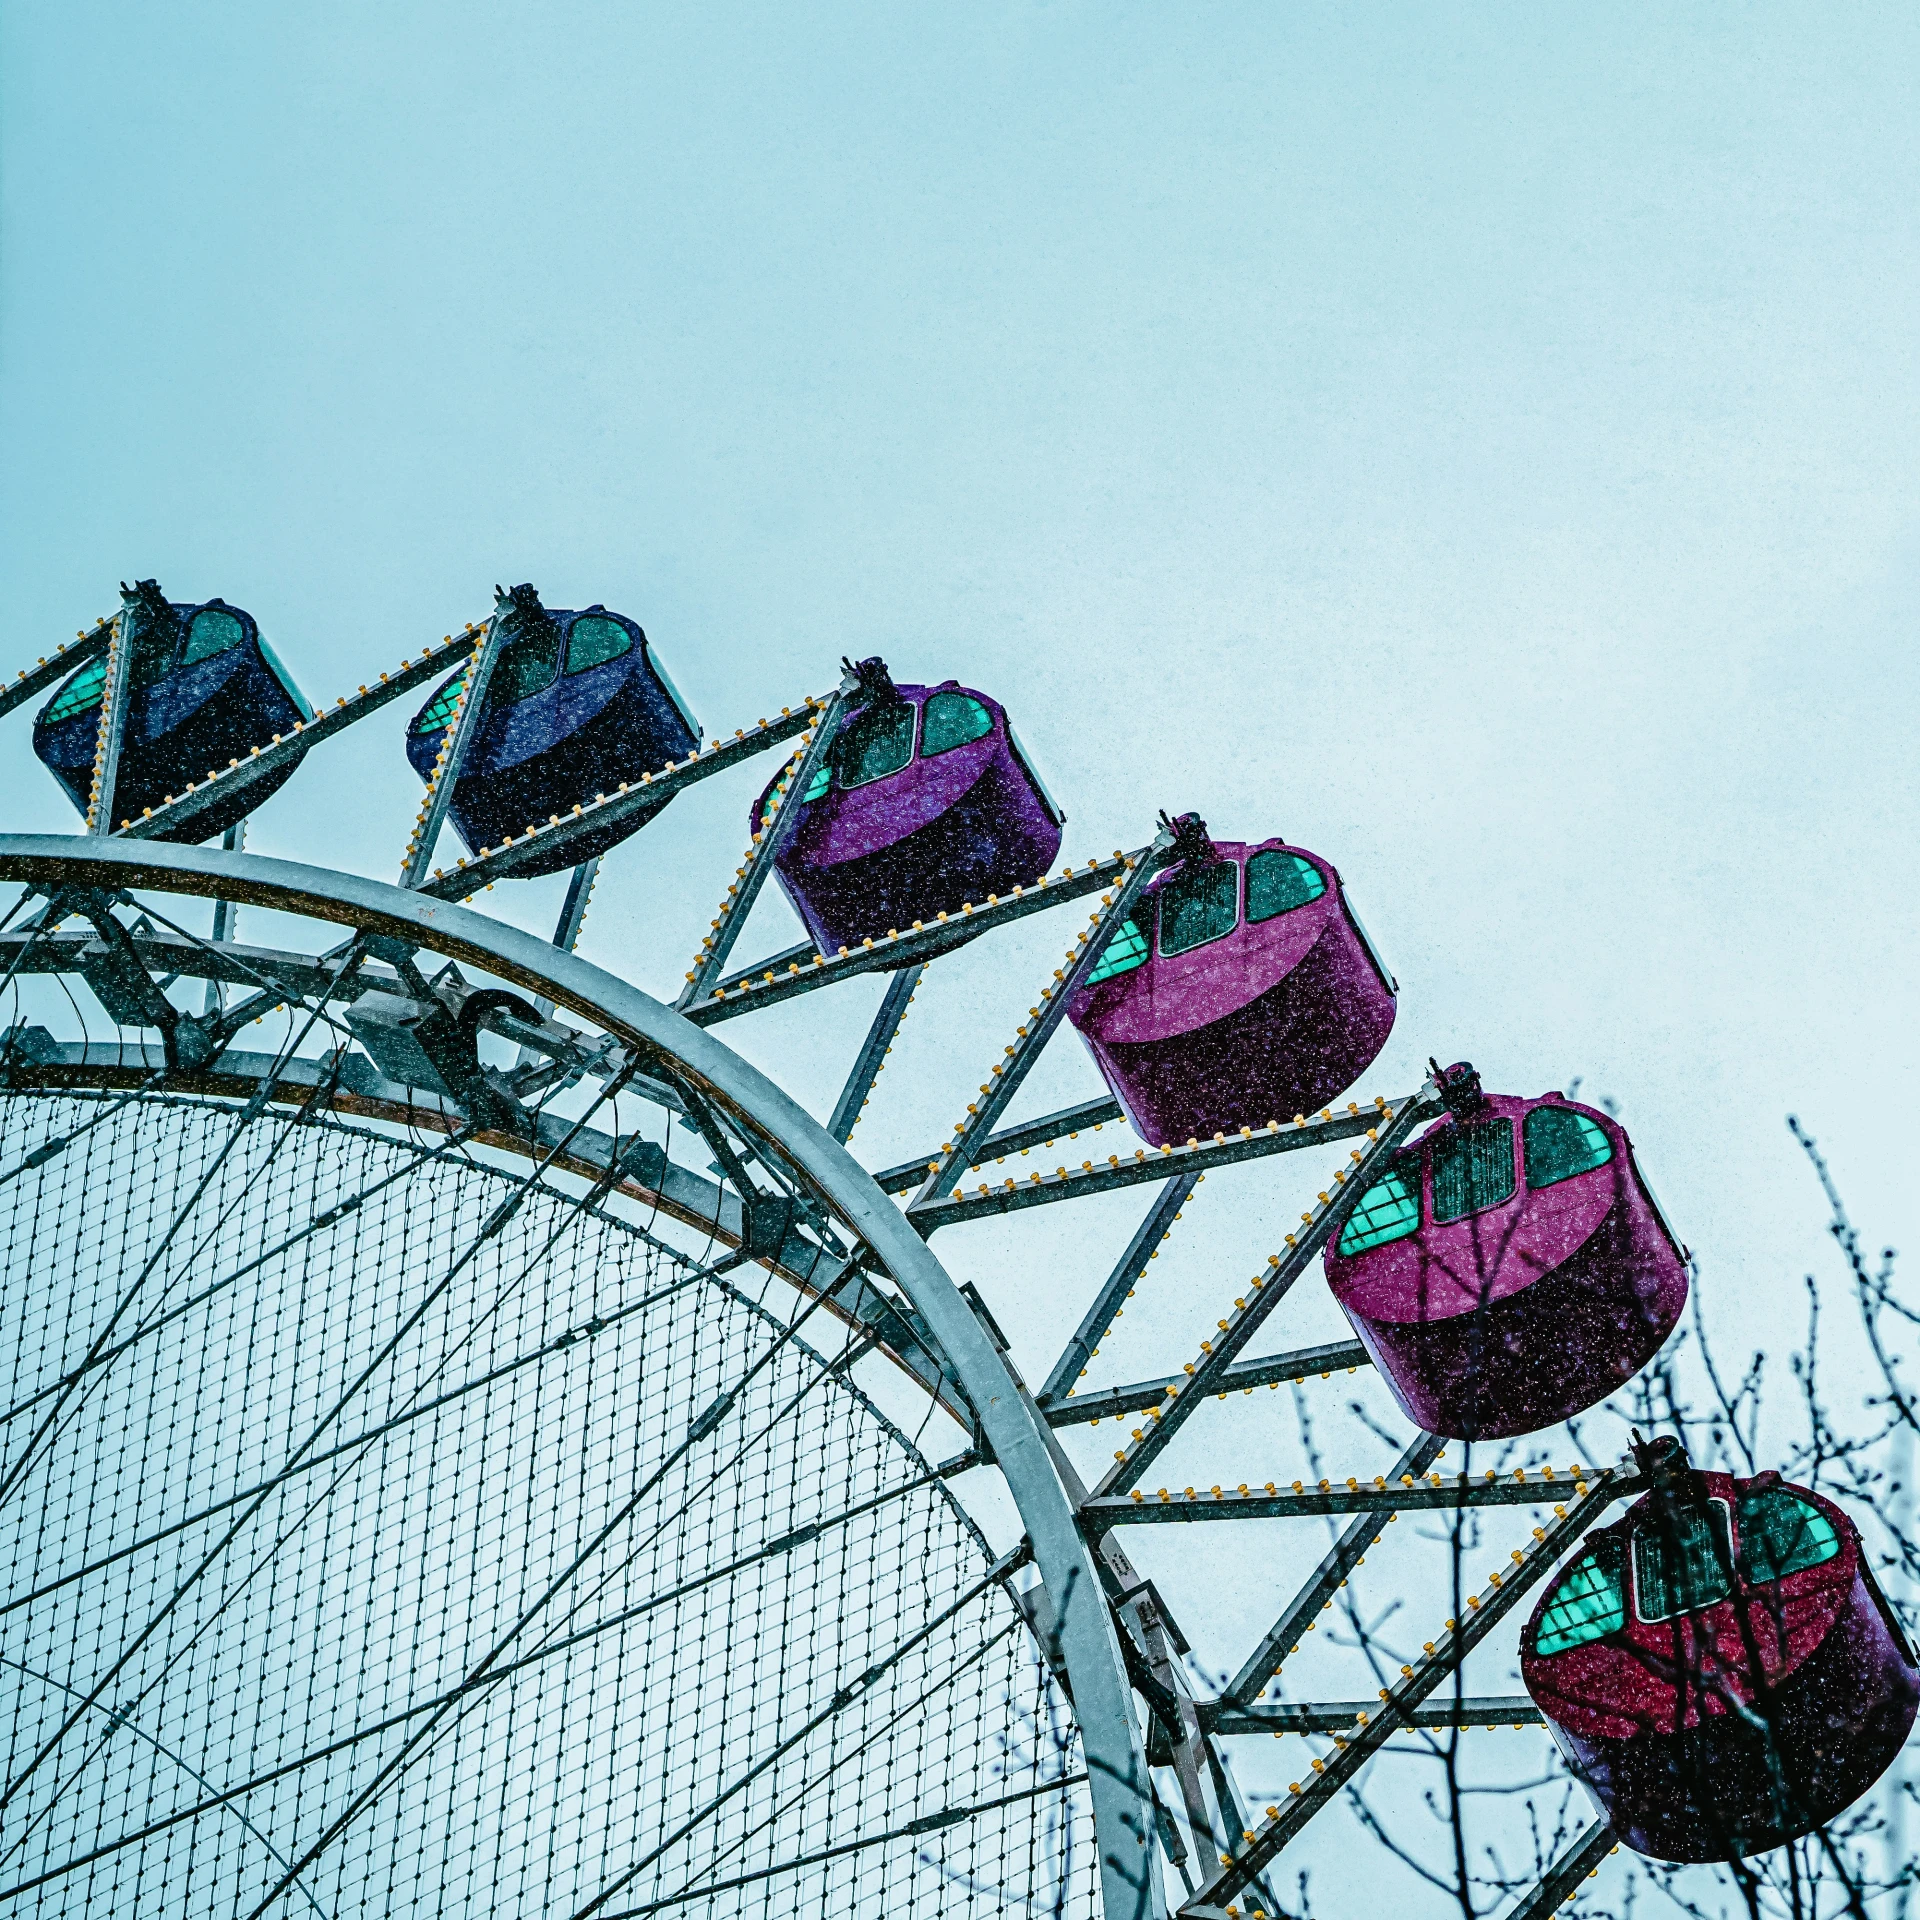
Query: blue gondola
[(577, 703), (203, 690)]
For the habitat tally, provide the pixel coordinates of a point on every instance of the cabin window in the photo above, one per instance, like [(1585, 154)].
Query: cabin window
[(1560, 1143), (1277, 882), (594, 641), (1681, 1565), (439, 712), (817, 786), (80, 693), (1125, 951), (1198, 905), (1388, 1210), (213, 631), (526, 664), (1472, 1168), (1589, 1604), (879, 742), (952, 720), (1781, 1535)]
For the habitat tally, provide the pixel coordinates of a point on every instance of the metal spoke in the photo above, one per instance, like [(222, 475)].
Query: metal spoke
[(874, 1050), (1109, 1403), (1072, 1364), (1265, 1292), (1561, 1881), (1438, 1494), (778, 819), (76, 652), (1486, 1609), (1229, 1718), (468, 706), (272, 755), (1062, 1124), (1326, 1580), (113, 723)]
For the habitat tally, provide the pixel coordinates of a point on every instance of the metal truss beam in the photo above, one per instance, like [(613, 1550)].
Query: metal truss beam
[(1485, 1610), (634, 802), (468, 708), (1226, 1718), (873, 1052), (113, 723), (1561, 1881), (801, 969), (1316, 1594), (1391, 1126), (1119, 1283), (1004, 1079), (1076, 1409), (271, 755), (1139, 1167), (1438, 1493), (1058, 1125), (55, 668)]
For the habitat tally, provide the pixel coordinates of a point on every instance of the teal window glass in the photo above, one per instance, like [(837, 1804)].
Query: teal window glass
[(1559, 1143), (80, 693), (1681, 1566), (1388, 1210), (952, 720), (1125, 951), (1472, 1168), (1278, 881), (280, 673), (594, 641), (817, 786), (439, 713), (526, 665), (1199, 905), (876, 744), (1781, 1535), (213, 631), (1589, 1603)]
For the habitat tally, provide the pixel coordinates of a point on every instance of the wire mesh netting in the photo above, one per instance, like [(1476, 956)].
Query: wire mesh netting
[(377, 1546)]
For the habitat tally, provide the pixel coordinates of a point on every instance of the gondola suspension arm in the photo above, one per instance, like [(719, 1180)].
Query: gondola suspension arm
[(470, 704)]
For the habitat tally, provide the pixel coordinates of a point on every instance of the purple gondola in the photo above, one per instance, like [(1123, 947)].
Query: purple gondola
[(1242, 990), (1510, 1267), (203, 689), (577, 703), (1720, 1667), (927, 803)]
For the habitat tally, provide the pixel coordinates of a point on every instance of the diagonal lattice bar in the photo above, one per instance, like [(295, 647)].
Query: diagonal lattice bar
[(632, 800), (469, 704), (55, 668), (1004, 1081), (1127, 1270), (1140, 1167), (1485, 1610), (1226, 1717), (1438, 1493), (1561, 1881), (1266, 1291), (873, 1051), (796, 970), (1274, 1369), (113, 724), (1316, 1595), (777, 822), (1066, 1121), (271, 755)]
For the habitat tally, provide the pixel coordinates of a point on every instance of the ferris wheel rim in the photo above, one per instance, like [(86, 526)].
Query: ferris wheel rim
[(1084, 1635)]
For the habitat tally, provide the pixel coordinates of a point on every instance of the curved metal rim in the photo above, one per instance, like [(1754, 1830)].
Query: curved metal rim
[(1088, 1645)]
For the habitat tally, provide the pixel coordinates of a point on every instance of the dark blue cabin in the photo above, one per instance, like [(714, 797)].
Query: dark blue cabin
[(203, 690), (577, 703)]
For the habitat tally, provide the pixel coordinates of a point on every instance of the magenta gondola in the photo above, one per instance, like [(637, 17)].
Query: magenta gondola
[(1509, 1268), (927, 803), (203, 689), (577, 703), (1242, 990), (1720, 1667)]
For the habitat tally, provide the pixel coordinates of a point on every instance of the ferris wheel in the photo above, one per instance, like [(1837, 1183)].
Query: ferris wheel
[(448, 1455)]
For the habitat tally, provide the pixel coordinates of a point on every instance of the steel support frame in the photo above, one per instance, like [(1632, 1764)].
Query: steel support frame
[(1009, 1423)]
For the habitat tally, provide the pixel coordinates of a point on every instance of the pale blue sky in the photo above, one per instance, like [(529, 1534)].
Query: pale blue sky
[(1479, 443)]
